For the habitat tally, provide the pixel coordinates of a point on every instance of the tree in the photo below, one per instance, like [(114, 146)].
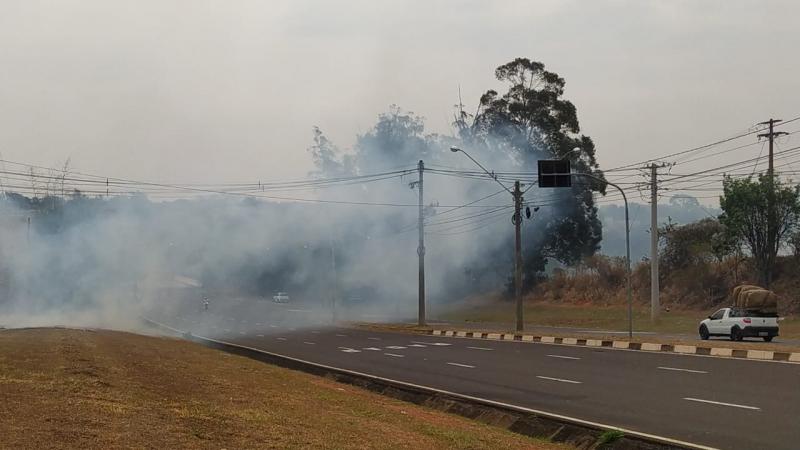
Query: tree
[(745, 214), (397, 139), (690, 244), (327, 158), (532, 121)]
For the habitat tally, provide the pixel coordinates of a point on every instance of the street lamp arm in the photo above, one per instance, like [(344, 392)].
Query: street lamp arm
[(491, 175)]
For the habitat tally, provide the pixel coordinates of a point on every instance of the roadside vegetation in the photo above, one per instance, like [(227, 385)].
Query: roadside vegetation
[(66, 388)]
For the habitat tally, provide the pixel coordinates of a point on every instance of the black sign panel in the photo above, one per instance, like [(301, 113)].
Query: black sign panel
[(554, 173)]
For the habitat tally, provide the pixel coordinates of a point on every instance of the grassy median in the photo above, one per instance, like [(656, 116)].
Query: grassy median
[(595, 317), (64, 388)]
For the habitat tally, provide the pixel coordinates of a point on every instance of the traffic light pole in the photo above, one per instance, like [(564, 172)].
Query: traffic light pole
[(627, 246)]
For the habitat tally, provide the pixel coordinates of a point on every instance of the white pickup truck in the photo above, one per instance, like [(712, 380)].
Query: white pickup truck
[(738, 323)]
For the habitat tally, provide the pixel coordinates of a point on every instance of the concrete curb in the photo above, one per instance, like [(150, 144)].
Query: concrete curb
[(581, 434), (721, 352)]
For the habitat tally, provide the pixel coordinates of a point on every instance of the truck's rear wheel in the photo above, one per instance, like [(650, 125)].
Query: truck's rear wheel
[(704, 332), (736, 334)]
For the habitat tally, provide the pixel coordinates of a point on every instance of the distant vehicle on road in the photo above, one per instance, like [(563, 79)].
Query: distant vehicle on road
[(281, 297), (739, 323)]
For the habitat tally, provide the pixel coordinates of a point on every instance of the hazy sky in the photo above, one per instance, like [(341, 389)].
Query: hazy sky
[(193, 90)]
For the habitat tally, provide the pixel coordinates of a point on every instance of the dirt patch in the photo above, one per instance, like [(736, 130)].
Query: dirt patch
[(66, 388)]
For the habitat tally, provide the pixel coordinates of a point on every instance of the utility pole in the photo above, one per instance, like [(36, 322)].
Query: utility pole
[(654, 288), (517, 220), (421, 251), (334, 288), (518, 253), (771, 219)]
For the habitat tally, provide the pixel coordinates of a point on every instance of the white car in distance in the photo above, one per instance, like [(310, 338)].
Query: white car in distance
[(281, 297)]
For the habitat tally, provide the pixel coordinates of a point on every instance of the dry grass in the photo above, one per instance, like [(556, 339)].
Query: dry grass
[(66, 388)]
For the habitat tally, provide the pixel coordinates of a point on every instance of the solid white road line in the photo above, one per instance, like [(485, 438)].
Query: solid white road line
[(682, 370), (721, 403), (441, 344), (395, 355), (480, 348), (563, 357), (558, 379), (461, 365), (309, 343)]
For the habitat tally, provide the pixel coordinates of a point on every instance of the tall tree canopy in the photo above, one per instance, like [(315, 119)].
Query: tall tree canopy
[(745, 206), (532, 121)]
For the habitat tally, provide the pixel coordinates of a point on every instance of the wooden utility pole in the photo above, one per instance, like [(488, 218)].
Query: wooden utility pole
[(421, 250), (518, 253), (772, 228)]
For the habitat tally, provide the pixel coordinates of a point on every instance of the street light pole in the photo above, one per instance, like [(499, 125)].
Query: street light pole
[(627, 246), (517, 219)]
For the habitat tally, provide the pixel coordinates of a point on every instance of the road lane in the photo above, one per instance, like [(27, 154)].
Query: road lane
[(627, 389)]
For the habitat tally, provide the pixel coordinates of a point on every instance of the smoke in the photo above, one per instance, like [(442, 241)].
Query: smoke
[(104, 261)]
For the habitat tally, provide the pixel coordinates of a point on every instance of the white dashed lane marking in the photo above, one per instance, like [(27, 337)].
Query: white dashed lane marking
[(309, 343), (395, 347), (561, 380), (461, 365), (675, 369), (563, 357), (260, 335), (374, 338), (416, 345), (341, 335), (374, 349), (349, 350), (281, 338), (441, 344), (721, 403), (480, 348), (395, 355)]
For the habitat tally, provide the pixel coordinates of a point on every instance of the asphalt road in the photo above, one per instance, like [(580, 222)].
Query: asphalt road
[(723, 403)]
